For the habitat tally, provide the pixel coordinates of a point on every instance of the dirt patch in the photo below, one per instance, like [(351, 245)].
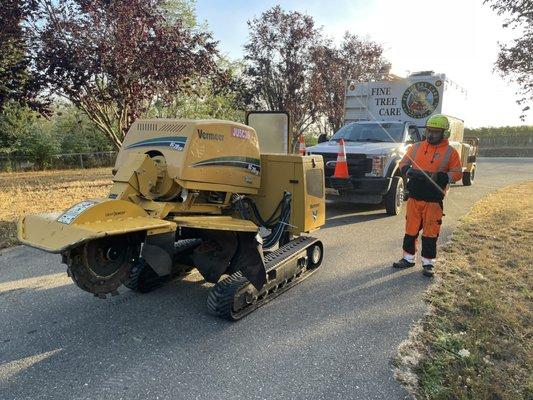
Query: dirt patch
[(45, 191), (476, 340)]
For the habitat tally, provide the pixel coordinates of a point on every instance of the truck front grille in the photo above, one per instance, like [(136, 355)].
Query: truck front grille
[(358, 164)]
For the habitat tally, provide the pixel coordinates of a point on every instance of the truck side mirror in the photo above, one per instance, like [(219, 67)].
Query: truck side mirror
[(323, 137)]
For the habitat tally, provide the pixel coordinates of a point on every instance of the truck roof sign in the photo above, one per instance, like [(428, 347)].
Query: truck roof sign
[(413, 99)]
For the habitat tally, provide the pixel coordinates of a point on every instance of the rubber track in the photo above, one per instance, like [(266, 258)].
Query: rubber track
[(220, 298)]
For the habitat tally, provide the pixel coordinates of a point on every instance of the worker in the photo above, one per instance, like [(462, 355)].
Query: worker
[(431, 166)]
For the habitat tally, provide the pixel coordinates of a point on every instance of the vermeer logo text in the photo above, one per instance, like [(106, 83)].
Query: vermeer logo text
[(210, 136)]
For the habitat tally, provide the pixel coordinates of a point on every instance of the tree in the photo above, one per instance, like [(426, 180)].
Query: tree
[(40, 144), (210, 100), (356, 59), (25, 133), (15, 122), (515, 60), (113, 58), (76, 133), (278, 64), (17, 82)]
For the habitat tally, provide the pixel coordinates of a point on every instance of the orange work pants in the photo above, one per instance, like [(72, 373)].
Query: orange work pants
[(422, 216)]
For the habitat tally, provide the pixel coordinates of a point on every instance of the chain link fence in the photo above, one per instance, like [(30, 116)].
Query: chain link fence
[(21, 162)]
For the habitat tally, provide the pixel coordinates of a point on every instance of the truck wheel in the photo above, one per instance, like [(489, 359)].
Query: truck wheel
[(395, 196), (468, 177)]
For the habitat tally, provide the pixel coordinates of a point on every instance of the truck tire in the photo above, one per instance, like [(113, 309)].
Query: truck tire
[(395, 196), (468, 177)]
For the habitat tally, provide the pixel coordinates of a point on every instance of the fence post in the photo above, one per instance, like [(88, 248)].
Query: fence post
[(81, 161)]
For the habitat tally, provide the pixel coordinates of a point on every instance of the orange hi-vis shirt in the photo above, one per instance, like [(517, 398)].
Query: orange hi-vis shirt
[(430, 158)]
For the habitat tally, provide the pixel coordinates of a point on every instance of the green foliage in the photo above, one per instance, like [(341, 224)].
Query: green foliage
[(515, 60), (180, 10), (218, 106), (15, 122), (40, 144), (208, 100), (23, 132), (500, 131), (76, 133), (26, 134)]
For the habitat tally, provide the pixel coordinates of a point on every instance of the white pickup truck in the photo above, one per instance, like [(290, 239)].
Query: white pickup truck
[(382, 119), (373, 151)]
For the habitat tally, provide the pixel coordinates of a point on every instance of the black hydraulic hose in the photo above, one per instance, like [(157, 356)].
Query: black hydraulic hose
[(276, 225), (279, 227), (272, 219), (275, 235)]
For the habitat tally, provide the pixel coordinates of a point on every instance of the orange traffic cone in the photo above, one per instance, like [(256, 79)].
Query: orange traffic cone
[(302, 149), (341, 166)]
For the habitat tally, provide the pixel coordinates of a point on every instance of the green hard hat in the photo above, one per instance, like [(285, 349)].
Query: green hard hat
[(439, 121)]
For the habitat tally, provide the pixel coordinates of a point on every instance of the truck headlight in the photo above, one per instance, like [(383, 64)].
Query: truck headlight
[(378, 163)]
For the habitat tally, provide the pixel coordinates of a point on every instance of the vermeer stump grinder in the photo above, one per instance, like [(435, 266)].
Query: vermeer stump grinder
[(193, 194)]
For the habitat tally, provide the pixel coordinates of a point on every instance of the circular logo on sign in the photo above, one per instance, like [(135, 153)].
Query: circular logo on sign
[(420, 99)]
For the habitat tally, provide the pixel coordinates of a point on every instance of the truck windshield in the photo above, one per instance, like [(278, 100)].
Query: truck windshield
[(370, 132)]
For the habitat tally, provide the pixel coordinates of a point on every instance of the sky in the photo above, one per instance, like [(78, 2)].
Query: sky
[(456, 37)]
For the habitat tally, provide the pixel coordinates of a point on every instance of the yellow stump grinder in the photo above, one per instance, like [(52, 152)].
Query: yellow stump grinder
[(193, 194)]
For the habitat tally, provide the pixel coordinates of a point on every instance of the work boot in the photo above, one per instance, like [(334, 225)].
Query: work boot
[(403, 263), (428, 270)]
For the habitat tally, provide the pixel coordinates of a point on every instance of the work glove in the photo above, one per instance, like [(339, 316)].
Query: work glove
[(414, 173), (440, 178)]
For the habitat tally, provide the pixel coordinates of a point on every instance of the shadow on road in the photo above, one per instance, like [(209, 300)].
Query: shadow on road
[(341, 213)]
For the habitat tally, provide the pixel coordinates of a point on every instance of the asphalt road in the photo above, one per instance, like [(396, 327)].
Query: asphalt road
[(331, 337)]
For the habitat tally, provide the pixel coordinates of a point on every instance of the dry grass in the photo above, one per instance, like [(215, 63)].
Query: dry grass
[(476, 341), (34, 192)]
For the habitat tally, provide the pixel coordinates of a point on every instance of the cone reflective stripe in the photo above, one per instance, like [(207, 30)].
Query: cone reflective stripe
[(302, 149), (341, 166)]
